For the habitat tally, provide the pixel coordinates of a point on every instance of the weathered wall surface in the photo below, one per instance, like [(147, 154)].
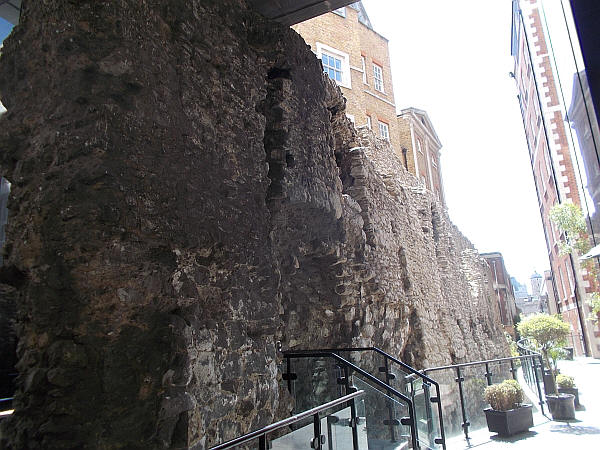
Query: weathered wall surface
[(184, 196)]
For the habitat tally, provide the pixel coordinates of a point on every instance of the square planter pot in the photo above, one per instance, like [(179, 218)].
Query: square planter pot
[(508, 423), (573, 391)]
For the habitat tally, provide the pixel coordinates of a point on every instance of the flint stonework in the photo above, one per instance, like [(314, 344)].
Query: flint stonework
[(186, 193)]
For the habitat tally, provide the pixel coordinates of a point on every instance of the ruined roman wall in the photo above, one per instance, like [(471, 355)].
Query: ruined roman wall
[(186, 194)]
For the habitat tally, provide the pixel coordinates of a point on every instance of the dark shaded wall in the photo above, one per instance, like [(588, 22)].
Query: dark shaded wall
[(184, 196), (146, 143)]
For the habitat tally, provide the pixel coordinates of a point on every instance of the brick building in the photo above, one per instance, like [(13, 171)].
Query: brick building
[(554, 175), (357, 58), (503, 287)]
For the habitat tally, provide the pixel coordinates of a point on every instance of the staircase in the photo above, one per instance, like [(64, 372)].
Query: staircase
[(398, 407)]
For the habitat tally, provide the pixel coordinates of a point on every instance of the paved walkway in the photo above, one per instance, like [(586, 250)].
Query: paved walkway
[(582, 433)]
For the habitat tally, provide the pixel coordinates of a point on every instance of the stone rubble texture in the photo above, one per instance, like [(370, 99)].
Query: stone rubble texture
[(187, 193)]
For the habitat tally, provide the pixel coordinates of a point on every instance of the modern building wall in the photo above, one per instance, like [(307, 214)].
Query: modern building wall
[(552, 165), (582, 117)]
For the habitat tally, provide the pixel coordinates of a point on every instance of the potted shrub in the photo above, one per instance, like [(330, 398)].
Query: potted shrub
[(566, 385), (507, 415), (550, 332)]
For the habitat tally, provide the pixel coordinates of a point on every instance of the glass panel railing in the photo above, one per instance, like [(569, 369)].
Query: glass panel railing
[(380, 417), (339, 430), (450, 394), (315, 381), (319, 377), (420, 391), (406, 381), (473, 386), (500, 371)]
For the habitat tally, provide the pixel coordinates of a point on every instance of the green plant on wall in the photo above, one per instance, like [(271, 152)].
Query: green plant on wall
[(569, 219), (594, 304)]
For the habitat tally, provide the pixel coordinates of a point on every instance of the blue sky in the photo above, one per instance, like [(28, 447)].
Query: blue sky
[(5, 29)]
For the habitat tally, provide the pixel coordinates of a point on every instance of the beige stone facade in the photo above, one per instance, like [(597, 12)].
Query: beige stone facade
[(420, 147)]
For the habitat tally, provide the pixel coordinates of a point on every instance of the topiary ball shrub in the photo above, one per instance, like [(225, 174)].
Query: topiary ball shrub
[(565, 381), (504, 396)]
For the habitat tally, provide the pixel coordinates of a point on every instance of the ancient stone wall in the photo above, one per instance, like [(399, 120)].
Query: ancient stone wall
[(186, 193)]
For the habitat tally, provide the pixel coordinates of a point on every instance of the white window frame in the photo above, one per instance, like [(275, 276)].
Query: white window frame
[(369, 122), (340, 11), (344, 57), (384, 130), (363, 64), (378, 80), (351, 118)]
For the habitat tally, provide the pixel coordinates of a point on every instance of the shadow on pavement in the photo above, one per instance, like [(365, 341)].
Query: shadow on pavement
[(567, 428), (515, 438)]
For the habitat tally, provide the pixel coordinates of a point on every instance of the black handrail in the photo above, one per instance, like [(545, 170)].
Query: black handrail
[(408, 368), (285, 422), (486, 363), (475, 363), (347, 364), (374, 349), (522, 347)]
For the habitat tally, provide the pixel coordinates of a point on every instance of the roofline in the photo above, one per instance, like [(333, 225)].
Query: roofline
[(430, 129)]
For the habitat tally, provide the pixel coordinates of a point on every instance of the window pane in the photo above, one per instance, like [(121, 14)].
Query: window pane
[(338, 64), (338, 76)]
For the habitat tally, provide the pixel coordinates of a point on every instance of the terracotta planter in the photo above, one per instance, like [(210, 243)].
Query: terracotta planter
[(562, 406), (511, 422)]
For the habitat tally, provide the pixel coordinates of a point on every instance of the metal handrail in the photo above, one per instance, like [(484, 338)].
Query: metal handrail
[(294, 354), (475, 363), (377, 381), (408, 368), (285, 422), (488, 375), (374, 349)]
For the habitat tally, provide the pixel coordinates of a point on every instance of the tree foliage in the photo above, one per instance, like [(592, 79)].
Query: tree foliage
[(569, 219), (545, 330), (594, 303)]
